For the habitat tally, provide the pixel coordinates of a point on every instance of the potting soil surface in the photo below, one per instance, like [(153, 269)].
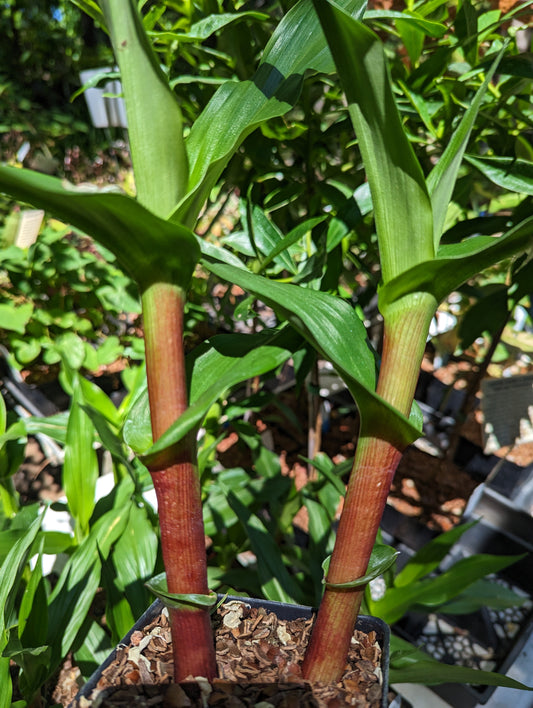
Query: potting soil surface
[(258, 658)]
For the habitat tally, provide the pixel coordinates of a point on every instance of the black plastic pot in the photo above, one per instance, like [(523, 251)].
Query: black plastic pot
[(283, 611)]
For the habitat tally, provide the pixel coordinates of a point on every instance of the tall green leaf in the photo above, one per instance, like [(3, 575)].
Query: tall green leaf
[(402, 208), (435, 592), (147, 247), (429, 557), (11, 574), (154, 117), (6, 685), (236, 109), (74, 593), (442, 178), (80, 468)]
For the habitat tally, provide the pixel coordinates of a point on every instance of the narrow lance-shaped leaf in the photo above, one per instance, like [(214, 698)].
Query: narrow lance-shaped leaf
[(434, 592), (147, 247), (236, 109), (74, 592), (80, 469), (510, 173), (11, 573), (442, 178), (154, 117), (333, 327), (414, 19), (207, 26), (456, 263), (402, 209), (411, 665), (217, 366), (429, 557)]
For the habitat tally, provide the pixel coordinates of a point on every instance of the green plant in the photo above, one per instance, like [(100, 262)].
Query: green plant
[(152, 239), (173, 178), (61, 297), (417, 273)]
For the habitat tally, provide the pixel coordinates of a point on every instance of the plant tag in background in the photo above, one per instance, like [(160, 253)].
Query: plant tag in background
[(507, 406), (30, 221)]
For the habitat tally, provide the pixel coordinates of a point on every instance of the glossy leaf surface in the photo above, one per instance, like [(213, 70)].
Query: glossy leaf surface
[(333, 327), (509, 173), (456, 263)]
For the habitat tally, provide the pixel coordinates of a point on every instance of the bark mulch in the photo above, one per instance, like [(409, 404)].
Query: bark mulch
[(258, 657)]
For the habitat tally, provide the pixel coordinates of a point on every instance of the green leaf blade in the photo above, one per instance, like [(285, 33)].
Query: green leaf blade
[(237, 109), (402, 208), (443, 176), (147, 247), (333, 327), (154, 116), (456, 263)]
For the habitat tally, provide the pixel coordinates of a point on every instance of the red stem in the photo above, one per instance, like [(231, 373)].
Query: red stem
[(177, 487), (372, 474)]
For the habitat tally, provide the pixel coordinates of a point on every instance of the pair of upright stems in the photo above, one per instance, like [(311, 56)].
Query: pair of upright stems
[(179, 495)]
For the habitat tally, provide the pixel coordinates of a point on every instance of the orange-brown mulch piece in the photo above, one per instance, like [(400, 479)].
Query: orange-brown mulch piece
[(258, 658)]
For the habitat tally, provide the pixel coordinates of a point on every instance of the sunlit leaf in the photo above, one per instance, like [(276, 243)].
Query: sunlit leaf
[(155, 128), (207, 26), (402, 209), (442, 178), (510, 173), (80, 468), (456, 263), (236, 109)]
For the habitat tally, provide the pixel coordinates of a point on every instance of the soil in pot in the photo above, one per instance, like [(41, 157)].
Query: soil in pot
[(258, 656)]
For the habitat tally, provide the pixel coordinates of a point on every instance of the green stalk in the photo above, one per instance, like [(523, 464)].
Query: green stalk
[(178, 486), (406, 327)]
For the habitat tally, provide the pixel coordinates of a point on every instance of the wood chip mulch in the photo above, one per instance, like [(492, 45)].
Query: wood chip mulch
[(258, 658)]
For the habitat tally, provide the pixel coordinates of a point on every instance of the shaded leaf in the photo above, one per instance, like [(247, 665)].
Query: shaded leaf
[(147, 247)]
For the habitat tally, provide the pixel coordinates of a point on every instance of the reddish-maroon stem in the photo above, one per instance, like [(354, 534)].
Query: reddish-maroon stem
[(177, 487), (374, 466)]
